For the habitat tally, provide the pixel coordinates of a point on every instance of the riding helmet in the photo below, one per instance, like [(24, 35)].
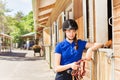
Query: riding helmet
[(69, 24)]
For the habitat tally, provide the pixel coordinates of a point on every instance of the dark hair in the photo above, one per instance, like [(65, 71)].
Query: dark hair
[(76, 42), (69, 24)]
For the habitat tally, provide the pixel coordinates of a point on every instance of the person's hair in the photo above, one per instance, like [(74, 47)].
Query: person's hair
[(71, 24), (76, 42)]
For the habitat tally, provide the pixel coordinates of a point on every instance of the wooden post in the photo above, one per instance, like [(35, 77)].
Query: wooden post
[(94, 67)]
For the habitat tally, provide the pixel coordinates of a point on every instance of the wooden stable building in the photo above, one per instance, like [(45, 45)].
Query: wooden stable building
[(5, 43), (98, 20)]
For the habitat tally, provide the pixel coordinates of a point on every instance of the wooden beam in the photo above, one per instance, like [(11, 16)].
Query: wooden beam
[(46, 7), (43, 23), (39, 28), (59, 7), (44, 20), (44, 15)]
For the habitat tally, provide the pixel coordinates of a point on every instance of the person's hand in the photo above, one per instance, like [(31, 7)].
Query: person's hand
[(74, 66)]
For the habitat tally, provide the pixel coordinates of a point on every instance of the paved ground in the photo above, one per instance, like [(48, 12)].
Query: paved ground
[(24, 67)]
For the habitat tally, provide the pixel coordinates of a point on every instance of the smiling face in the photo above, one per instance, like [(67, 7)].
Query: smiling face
[(70, 34)]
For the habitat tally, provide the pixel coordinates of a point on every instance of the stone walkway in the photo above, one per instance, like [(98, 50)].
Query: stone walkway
[(25, 68)]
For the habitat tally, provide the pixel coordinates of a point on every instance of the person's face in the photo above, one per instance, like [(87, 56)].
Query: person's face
[(70, 34)]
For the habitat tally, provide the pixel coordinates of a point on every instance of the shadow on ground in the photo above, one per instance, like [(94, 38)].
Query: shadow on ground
[(12, 56)]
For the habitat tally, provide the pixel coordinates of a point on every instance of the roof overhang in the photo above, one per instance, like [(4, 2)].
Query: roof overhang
[(47, 11), (5, 35), (32, 34)]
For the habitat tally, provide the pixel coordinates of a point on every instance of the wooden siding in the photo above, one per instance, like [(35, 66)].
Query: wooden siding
[(117, 69), (80, 33), (46, 37), (60, 35), (60, 22), (117, 38), (116, 19), (78, 9), (116, 3)]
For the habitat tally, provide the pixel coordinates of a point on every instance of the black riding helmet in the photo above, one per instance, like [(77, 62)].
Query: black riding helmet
[(69, 24)]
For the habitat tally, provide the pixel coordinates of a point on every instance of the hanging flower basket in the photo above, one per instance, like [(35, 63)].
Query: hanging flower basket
[(36, 48)]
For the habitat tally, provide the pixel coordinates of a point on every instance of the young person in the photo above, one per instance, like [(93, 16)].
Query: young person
[(70, 50)]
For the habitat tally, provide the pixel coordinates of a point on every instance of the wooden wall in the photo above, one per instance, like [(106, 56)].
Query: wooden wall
[(46, 37), (80, 33), (78, 16), (116, 19), (78, 12)]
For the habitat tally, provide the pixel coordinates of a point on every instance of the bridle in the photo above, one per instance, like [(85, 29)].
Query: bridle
[(80, 72)]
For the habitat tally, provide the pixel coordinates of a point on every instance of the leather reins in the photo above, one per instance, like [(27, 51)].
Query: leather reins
[(80, 72)]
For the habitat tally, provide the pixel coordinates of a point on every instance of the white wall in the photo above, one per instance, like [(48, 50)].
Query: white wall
[(101, 20)]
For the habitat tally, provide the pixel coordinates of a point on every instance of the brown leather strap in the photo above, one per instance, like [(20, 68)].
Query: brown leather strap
[(80, 72)]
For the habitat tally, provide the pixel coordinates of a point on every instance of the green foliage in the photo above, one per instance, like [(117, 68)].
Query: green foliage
[(2, 16), (22, 24), (28, 22), (17, 25), (19, 15)]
